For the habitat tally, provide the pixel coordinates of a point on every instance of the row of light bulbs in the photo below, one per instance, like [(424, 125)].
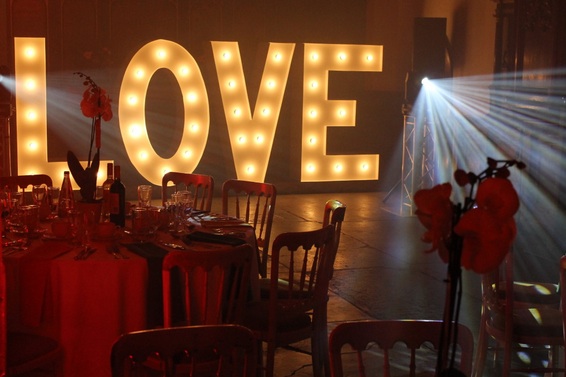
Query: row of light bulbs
[(251, 135)]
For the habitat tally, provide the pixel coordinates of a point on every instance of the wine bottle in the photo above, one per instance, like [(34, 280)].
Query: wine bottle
[(66, 196), (106, 191), (117, 199)]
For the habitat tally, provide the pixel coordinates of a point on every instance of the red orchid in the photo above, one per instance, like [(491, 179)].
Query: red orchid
[(95, 104), (435, 213), (498, 196), (486, 239), (476, 234), (484, 223), (489, 229)]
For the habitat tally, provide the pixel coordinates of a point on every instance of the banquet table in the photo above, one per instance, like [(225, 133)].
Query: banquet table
[(87, 304)]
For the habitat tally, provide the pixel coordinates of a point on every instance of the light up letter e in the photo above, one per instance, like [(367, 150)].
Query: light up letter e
[(319, 112)]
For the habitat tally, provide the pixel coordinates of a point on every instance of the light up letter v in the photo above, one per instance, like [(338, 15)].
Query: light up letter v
[(252, 138)]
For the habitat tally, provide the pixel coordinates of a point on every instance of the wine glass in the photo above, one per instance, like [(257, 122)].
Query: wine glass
[(144, 195), (38, 193)]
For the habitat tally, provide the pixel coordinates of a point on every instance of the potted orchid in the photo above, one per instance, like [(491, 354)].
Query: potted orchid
[(96, 105), (476, 234)]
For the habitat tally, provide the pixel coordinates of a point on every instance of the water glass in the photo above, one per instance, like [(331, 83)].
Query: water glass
[(145, 195), (53, 198), (145, 221), (38, 193), (30, 218)]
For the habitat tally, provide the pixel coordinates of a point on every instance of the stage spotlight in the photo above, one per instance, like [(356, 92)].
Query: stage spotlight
[(425, 81)]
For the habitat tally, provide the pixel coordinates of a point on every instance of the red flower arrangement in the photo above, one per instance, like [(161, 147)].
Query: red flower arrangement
[(95, 104), (481, 229), (476, 234)]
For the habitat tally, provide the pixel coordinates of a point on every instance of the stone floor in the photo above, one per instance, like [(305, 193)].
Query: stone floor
[(381, 270)]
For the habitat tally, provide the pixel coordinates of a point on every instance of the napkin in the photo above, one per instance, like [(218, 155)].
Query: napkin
[(212, 221), (154, 255), (213, 238)]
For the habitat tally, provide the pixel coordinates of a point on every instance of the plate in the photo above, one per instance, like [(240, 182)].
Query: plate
[(35, 234)]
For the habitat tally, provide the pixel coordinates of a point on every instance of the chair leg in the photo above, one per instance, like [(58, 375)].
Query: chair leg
[(259, 368), (270, 359), (319, 346), (479, 362)]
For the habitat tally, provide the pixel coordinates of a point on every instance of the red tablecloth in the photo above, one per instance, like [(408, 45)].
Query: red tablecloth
[(86, 304)]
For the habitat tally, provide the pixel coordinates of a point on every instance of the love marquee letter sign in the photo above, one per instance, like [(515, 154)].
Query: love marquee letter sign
[(251, 135)]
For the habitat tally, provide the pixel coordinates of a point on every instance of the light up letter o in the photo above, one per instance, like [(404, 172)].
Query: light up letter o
[(151, 57)]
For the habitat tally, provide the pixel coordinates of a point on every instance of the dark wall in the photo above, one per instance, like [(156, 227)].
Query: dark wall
[(100, 37)]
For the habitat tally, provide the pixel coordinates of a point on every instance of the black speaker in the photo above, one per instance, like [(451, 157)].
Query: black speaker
[(429, 47)]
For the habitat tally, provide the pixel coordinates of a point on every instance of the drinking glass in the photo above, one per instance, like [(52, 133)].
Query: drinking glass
[(144, 195), (187, 202), (30, 218), (145, 221), (53, 198), (15, 216), (38, 193)]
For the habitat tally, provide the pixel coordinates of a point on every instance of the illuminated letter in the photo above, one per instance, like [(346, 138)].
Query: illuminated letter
[(251, 138), (151, 57), (319, 112), (31, 115)]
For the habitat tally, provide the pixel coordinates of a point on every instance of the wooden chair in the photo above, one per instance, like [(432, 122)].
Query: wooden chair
[(411, 335), (214, 285), (22, 182), (202, 186), (302, 261), (253, 202), (333, 214), (516, 327), (22, 353), (227, 350)]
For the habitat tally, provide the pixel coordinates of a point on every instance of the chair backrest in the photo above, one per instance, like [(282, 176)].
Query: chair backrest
[(303, 260), (201, 185), (211, 287), (22, 182), (511, 324), (386, 334), (253, 202), (224, 350), (334, 213)]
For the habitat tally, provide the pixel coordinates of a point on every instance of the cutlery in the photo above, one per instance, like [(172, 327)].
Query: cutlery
[(13, 249), (85, 253), (113, 249), (173, 245), (89, 253)]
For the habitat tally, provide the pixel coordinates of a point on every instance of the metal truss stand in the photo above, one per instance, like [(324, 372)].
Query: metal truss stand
[(417, 170)]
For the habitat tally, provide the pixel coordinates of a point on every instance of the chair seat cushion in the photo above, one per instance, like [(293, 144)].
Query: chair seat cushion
[(282, 290), (23, 348), (257, 318), (537, 322)]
